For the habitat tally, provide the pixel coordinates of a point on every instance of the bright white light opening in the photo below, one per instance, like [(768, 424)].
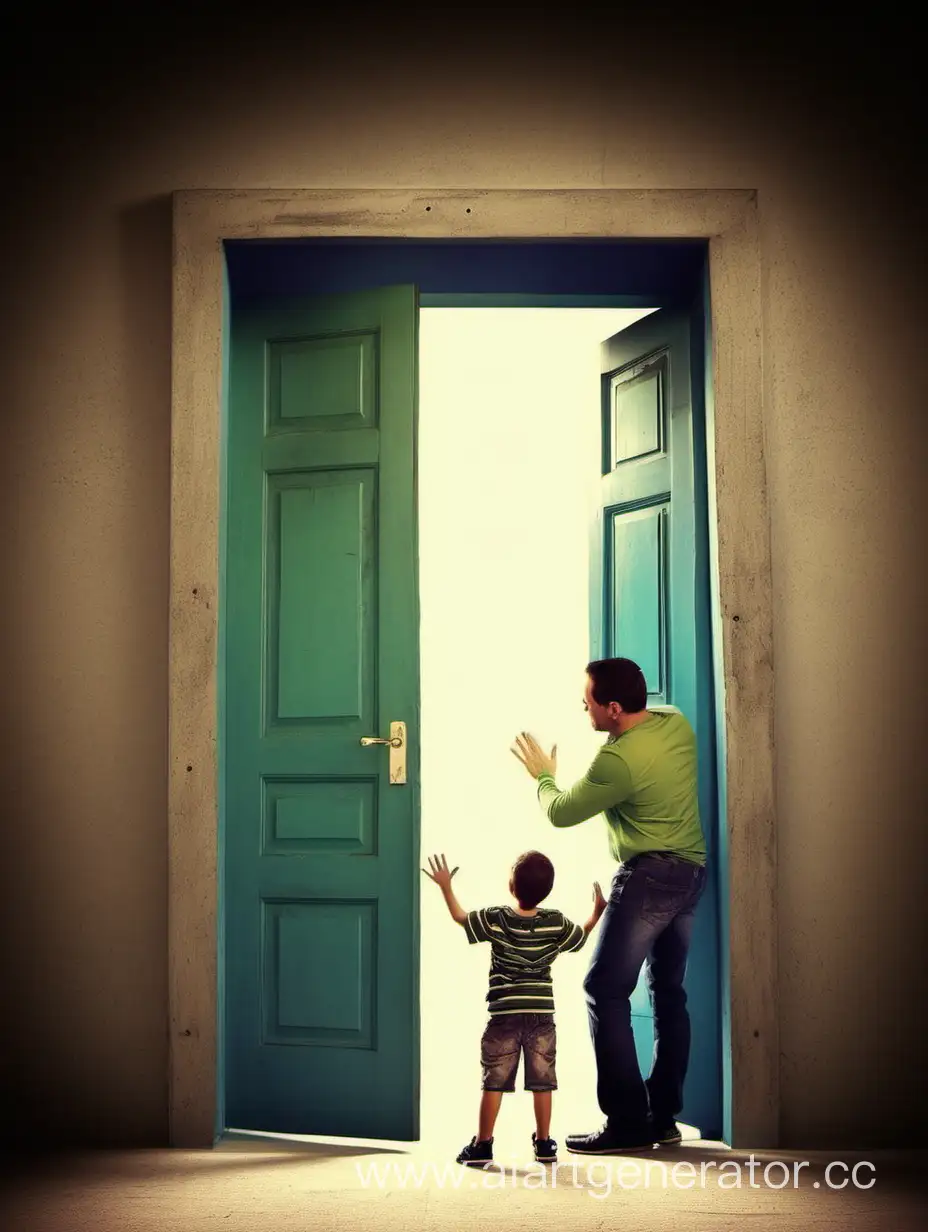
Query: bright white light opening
[(509, 449)]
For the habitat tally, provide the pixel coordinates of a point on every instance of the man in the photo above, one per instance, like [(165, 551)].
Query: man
[(644, 780)]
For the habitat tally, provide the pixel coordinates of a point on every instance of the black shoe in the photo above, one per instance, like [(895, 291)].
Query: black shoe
[(666, 1133), (545, 1150), (608, 1141), (476, 1154)]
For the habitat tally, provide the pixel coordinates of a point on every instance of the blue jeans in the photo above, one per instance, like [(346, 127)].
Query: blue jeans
[(649, 916)]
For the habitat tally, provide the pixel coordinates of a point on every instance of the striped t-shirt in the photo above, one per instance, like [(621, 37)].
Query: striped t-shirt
[(523, 948)]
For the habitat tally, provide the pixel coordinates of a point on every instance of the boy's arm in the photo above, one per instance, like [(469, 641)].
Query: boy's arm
[(458, 914), (439, 872), (575, 935), (599, 906)]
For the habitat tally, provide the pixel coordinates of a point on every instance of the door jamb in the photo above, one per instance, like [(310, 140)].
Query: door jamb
[(740, 546)]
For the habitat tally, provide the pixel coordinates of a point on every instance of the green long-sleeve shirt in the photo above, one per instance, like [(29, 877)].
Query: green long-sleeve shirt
[(644, 781)]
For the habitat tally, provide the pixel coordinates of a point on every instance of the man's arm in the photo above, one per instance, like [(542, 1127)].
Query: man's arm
[(606, 783)]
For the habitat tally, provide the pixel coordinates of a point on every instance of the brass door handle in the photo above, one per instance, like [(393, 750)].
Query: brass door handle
[(396, 742)]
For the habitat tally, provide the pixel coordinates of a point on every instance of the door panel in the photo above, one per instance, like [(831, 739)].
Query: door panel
[(320, 884), (649, 595)]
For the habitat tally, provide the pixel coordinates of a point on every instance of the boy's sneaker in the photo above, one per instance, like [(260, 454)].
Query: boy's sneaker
[(545, 1150), (476, 1154), (609, 1141), (666, 1133)]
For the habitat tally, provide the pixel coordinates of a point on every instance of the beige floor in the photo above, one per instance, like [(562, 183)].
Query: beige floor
[(252, 1184)]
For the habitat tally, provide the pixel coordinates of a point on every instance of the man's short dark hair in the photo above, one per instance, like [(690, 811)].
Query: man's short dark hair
[(532, 878), (618, 680)]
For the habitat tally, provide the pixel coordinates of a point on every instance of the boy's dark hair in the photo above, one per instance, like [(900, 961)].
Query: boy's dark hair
[(618, 680), (532, 878)]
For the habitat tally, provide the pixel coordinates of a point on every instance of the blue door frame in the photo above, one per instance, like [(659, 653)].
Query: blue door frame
[(518, 273)]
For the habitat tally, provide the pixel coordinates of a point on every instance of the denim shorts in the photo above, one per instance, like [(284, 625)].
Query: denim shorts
[(506, 1037)]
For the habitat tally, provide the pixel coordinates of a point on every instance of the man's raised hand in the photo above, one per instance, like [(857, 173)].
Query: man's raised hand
[(533, 757)]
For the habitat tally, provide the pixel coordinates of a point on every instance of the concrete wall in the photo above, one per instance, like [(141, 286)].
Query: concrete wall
[(100, 140)]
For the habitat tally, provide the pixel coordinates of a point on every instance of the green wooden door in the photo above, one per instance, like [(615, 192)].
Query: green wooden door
[(650, 602), (320, 872)]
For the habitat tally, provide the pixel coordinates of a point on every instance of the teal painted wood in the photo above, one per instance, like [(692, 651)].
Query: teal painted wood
[(650, 601), (220, 1111), (321, 886), (715, 755), (517, 299)]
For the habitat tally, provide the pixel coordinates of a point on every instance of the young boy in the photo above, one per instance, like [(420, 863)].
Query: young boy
[(524, 942)]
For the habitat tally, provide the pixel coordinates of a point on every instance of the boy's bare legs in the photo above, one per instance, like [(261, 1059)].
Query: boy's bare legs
[(489, 1110), (542, 1114)]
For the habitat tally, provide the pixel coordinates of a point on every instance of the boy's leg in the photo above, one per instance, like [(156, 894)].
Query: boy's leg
[(490, 1102), (542, 1113), (540, 1047), (499, 1059)]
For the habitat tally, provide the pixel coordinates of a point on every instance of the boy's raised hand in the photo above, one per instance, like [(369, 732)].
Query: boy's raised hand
[(440, 873), (599, 903)]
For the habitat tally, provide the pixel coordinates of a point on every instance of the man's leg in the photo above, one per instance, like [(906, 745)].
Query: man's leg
[(666, 969), (625, 939)]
